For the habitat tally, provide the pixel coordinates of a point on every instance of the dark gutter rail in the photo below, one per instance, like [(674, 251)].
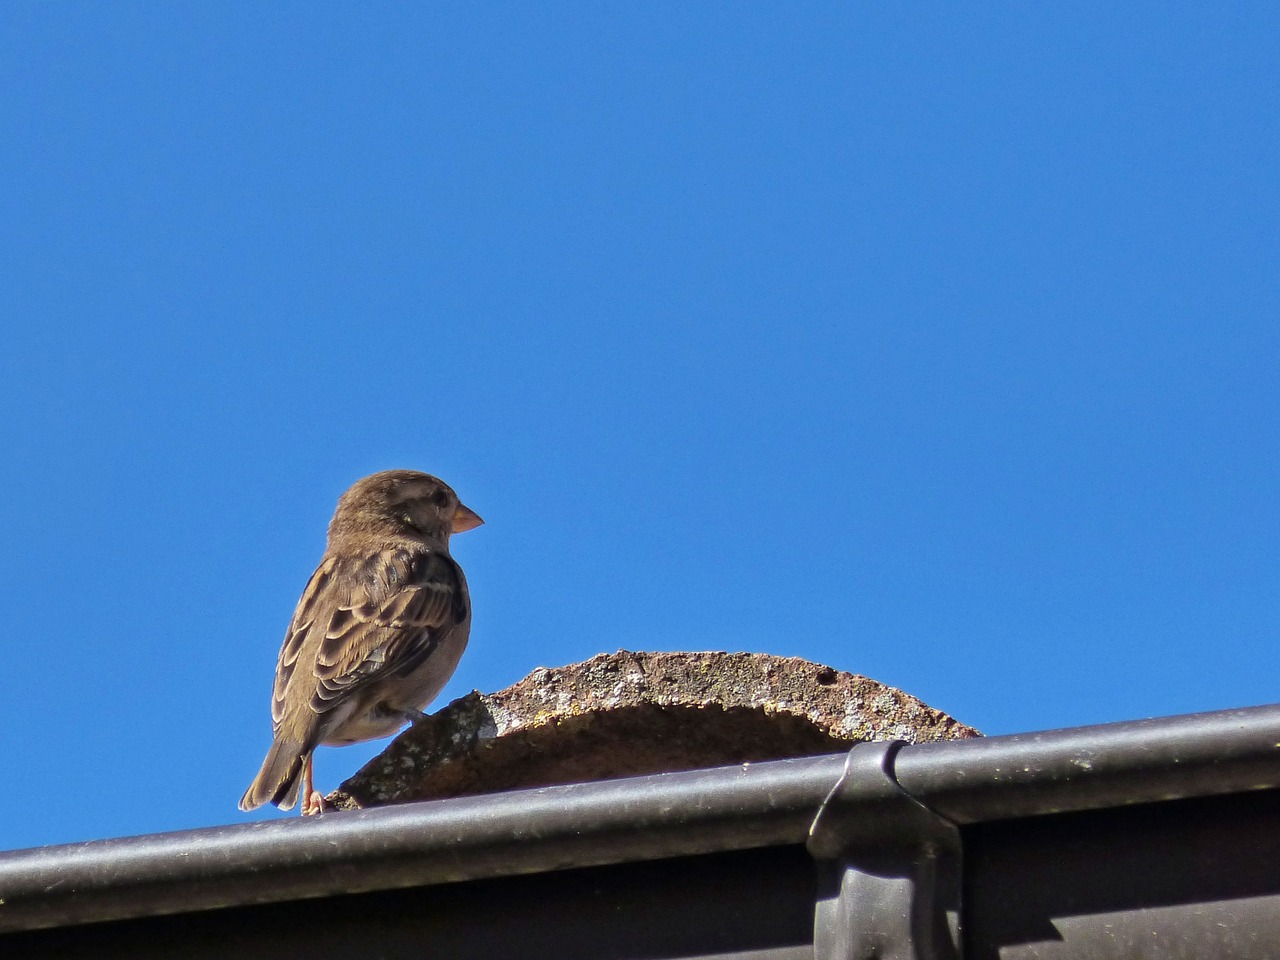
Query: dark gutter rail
[(1085, 779), (442, 841), (1085, 768)]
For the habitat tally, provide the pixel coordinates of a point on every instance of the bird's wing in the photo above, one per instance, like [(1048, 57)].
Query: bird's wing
[(359, 619)]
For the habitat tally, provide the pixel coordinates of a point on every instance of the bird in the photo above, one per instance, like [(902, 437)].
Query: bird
[(380, 628)]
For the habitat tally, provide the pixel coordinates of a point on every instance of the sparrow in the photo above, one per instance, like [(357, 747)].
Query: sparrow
[(378, 632)]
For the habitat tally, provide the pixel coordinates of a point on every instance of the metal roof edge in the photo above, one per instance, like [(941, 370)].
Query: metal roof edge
[(640, 818)]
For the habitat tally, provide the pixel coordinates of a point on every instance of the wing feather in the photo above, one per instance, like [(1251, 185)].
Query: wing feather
[(295, 638), (399, 606), (363, 618)]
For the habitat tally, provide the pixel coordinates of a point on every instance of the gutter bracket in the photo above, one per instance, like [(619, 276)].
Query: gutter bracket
[(890, 880)]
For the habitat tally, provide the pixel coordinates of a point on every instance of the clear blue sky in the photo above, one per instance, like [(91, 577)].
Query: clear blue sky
[(936, 344)]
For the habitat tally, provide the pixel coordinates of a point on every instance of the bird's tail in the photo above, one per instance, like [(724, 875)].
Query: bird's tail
[(280, 778)]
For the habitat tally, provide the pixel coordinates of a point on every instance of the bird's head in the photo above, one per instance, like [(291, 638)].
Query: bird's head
[(402, 502)]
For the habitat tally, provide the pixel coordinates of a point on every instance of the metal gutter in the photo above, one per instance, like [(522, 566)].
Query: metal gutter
[(1088, 768), (443, 841), (643, 818)]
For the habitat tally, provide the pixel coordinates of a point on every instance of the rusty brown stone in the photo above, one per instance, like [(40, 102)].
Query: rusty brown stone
[(624, 714)]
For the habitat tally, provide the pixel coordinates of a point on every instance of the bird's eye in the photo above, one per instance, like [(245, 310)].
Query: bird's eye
[(408, 518)]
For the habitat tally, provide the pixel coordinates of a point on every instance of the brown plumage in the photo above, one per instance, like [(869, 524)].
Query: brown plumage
[(378, 632)]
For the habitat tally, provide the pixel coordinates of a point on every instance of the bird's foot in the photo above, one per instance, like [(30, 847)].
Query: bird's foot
[(313, 805)]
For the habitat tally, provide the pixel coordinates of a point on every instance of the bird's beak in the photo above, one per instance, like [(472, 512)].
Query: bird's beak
[(464, 519)]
